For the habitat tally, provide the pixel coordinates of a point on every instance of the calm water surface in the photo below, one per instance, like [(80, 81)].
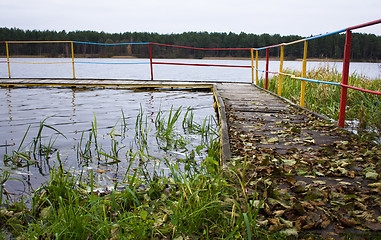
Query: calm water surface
[(141, 71), (72, 111)]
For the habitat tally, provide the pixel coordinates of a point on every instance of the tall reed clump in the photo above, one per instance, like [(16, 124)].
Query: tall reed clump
[(364, 109)]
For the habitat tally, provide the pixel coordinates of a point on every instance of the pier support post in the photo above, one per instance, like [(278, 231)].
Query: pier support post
[(345, 74), (267, 69), (72, 58), (304, 71), (252, 65), (256, 68), (150, 59), (9, 67), (280, 70)]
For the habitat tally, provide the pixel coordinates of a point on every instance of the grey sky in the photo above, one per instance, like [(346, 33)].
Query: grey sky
[(301, 17)]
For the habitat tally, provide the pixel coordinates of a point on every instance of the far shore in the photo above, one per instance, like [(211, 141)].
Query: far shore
[(205, 58)]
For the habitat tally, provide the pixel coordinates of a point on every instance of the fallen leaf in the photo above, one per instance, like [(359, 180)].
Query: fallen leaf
[(371, 175), (375, 226), (290, 232)]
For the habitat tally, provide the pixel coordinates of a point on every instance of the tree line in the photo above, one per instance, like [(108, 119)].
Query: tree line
[(365, 47)]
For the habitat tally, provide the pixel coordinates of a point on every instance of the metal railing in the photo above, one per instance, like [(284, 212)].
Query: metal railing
[(254, 68)]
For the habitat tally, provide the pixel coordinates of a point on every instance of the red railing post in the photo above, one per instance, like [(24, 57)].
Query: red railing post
[(150, 59), (267, 69), (346, 61)]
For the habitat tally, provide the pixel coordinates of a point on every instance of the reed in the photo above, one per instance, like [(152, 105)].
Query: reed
[(363, 109)]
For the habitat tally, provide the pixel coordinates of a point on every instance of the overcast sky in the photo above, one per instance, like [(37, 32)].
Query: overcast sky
[(285, 17)]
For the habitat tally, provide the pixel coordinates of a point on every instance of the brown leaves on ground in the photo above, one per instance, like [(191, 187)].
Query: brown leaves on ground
[(326, 188)]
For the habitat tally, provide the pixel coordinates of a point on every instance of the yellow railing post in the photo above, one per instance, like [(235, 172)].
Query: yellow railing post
[(9, 68), (252, 65), (280, 70), (72, 58), (303, 87), (256, 67)]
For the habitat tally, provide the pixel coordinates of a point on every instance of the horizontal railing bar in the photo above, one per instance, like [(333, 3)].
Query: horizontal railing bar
[(37, 62), (360, 89), (38, 41), (200, 64), (365, 24), (196, 48), (111, 44), (112, 62), (317, 81)]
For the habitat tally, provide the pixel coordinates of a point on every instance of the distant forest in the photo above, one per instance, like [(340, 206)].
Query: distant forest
[(365, 47)]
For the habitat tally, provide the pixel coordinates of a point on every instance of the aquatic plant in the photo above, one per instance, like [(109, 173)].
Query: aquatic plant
[(197, 198)]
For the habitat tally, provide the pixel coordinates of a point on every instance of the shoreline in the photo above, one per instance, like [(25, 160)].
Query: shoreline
[(204, 58)]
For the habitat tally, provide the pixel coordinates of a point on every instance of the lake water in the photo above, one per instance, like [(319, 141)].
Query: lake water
[(115, 70), (72, 112)]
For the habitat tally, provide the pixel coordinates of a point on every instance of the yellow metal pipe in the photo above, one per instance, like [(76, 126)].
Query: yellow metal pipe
[(39, 41), (72, 58), (38, 62), (256, 66), (280, 70), (108, 85), (252, 65), (294, 42), (9, 67), (304, 69)]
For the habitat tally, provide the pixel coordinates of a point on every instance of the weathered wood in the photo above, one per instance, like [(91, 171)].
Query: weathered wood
[(264, 117)]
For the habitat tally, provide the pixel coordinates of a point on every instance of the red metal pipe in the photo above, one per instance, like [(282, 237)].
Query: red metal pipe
[(206, 49), (361, 89), (346, 61), (267, 69), (365, 24), (150, 59), (200, 64)]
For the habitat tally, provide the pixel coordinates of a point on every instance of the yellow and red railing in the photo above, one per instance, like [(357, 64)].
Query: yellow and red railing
[(344, 84)]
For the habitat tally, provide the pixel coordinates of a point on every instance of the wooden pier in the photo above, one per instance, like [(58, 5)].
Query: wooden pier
[(253, 112)]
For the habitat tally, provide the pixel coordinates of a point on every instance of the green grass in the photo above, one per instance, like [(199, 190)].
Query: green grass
[(198, 199), (363, 108)]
